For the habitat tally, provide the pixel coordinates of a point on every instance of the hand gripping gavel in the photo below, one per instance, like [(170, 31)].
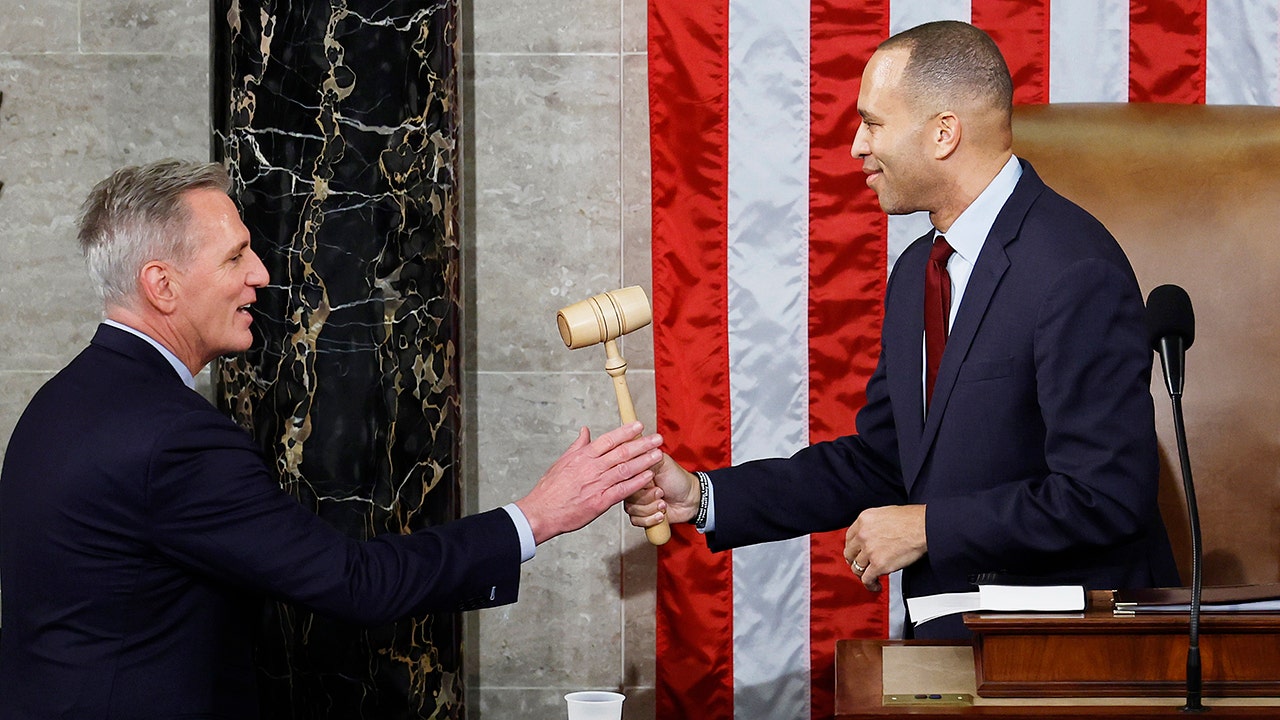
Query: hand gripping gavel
[(604, 318)]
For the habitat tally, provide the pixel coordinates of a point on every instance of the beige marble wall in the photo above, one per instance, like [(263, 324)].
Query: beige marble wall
[(557, 159), (88, 87), (556, 210)]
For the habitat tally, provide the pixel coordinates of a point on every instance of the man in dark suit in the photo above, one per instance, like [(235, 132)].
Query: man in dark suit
[(1028, 445), (140, 528)]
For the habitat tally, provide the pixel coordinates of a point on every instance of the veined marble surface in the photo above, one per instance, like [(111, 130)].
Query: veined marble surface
[(340, 128)]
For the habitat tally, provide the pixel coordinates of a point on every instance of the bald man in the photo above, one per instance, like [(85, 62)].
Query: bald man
[(1009, 425)]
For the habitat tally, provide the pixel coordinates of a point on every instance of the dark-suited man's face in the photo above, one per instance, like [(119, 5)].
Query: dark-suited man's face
[(893, 141), (217, 286)]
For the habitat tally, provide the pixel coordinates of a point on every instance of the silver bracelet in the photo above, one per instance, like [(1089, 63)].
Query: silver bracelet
[(704, 484)]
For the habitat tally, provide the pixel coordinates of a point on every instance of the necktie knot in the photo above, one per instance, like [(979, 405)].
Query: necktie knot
[(941, 252)]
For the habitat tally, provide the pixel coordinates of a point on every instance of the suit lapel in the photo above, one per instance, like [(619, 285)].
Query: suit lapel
[(992, 263), (906, 331)]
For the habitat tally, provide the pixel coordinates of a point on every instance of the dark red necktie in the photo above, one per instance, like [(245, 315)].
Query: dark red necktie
[(937, 311)]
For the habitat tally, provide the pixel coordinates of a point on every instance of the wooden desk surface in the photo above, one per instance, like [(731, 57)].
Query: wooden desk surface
[(860, 690)]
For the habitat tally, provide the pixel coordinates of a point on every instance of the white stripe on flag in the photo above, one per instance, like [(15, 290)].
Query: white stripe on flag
[(906, 14), (1088, 52), (768, 210), (1242, 62)]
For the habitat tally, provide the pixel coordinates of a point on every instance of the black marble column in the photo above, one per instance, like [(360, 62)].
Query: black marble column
[(339, 123)]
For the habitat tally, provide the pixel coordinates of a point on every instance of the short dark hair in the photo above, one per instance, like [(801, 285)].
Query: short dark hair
[(138, 215), (951, 62)]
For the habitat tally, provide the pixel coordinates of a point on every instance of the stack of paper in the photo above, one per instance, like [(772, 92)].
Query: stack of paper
[(999, 598)]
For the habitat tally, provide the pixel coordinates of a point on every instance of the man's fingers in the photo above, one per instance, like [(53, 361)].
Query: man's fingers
[(643, 502), (584, 438), (646, 498), (645, 507), (852, 545), (647, 521), (641, 447), (620, 491), (637, 465), (614, 439), (638, 456)]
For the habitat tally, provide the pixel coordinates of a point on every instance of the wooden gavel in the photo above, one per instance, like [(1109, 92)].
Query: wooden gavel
[(605, 318)]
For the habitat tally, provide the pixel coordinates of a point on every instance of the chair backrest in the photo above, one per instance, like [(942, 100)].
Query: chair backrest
[(1193, 195)]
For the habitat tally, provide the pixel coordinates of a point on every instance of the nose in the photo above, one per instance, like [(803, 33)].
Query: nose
[(258, 275), (860, 149)]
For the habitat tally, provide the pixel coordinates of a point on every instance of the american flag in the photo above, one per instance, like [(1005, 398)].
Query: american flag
[(769, 262)]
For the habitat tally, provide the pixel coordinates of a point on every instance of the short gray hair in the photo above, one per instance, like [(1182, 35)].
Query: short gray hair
[(137, 215)]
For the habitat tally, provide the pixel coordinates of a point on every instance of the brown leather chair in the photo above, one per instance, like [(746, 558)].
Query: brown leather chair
[(1193, 195)]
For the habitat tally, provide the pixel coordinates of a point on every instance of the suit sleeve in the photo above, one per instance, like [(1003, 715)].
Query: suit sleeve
[(215, 509), (1092, 375), (822, 487)]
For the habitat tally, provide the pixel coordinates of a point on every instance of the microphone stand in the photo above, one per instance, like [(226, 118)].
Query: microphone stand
[(1173, 378)]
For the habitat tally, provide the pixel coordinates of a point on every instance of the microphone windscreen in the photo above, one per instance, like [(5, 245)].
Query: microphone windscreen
[(1169, 313)]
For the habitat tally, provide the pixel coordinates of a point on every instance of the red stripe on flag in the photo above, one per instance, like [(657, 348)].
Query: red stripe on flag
[(688, 67), (1021, 29), (847, 269), (1167, 41)]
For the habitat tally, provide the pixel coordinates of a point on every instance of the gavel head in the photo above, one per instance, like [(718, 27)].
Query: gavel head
[(604, 317)]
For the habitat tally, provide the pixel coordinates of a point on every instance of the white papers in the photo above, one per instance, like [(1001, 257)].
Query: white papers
[(1032, 598), (998, 598), (926, 608)]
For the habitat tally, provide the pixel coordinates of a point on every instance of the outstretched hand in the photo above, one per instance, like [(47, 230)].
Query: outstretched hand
[(589, 478)]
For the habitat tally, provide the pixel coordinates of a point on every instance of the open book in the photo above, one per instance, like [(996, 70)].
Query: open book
[(998, 598), (1221, 599)]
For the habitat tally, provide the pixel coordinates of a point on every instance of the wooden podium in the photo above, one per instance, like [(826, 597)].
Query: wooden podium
[(1077, 665), (868, 672), (1096, 654)]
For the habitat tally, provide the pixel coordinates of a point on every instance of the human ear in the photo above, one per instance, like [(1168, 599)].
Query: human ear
[(946, 134), (158, 286)]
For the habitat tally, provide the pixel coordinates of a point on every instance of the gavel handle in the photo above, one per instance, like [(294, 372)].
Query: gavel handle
[(617, 368)]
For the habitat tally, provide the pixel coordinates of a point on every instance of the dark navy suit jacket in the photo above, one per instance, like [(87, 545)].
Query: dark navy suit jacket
[(140, 531), (1038, 455)]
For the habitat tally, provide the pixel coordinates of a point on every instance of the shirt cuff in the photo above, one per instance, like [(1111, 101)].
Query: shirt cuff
[(710, 524), (527, 547)]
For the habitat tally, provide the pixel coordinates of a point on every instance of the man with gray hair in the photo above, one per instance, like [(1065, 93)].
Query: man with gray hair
[(140, 528)]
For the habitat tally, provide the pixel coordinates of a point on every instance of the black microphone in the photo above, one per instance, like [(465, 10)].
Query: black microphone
[(1171, 328)]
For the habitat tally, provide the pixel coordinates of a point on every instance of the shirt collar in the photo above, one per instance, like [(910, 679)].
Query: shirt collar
[(183, 372), (969, 231)]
